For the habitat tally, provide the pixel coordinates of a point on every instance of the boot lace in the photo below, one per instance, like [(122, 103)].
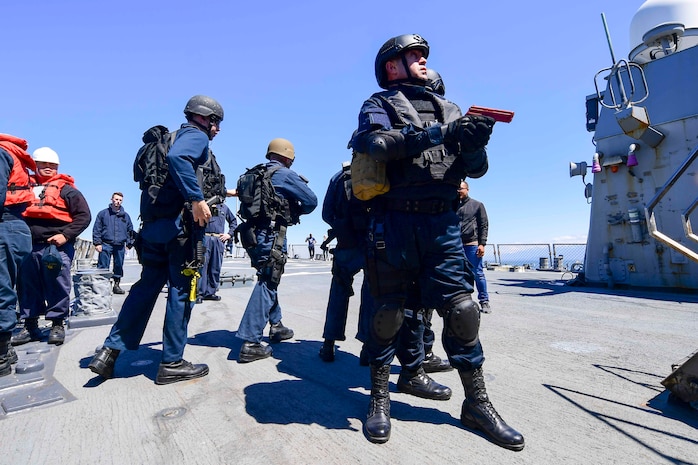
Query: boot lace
[(379, 405)]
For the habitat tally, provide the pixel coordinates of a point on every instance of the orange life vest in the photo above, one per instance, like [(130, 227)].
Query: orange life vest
[(47, 202), (18, 184)]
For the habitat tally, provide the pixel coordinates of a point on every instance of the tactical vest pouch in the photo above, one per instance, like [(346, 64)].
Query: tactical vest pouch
[(368, 178), (248, 236), (138, 245)]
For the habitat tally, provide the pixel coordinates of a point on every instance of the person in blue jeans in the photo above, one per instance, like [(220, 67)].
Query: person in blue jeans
[(268, 254), (473, 230), (112, 233), (165, 243)]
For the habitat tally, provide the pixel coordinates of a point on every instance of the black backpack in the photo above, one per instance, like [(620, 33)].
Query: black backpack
[(259, 202), (150, 166)]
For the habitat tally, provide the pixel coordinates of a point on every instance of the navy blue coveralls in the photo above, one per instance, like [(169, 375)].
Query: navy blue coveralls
[(348, 259), (15, 245), (415, 233), (215, 247), (113, 230), (165, 246), (263, 306)]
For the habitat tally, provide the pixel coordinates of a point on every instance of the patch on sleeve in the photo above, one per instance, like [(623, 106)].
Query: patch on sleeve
[(378, 117)]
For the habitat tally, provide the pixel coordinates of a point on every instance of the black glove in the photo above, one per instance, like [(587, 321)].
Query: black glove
[(475, 132), (451, 131)]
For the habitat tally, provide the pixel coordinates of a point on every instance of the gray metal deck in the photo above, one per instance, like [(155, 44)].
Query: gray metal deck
[(576, 370)]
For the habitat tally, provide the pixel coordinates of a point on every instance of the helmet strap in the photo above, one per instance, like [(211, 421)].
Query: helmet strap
[(410, 79), (206, 129)]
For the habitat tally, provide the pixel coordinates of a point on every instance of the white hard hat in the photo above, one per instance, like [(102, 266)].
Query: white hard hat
[(46, 155)]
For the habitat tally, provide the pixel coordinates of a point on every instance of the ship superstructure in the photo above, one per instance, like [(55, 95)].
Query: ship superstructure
[(644, 116)]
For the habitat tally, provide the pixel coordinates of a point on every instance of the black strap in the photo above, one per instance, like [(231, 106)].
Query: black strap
[(429, 206)]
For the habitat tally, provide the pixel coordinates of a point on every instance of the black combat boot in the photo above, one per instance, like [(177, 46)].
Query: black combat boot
[(5, 363), (278, 332), (117, 289), (377, 425), (420, 384), (479, 413), (103, 362), (29, 333), (180, 371), (57, 334), (433, 363), (12, 354), (327, 351), (251, 351)]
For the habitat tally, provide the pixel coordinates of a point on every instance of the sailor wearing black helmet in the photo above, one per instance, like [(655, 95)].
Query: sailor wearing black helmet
[(428, 147), (165, 247)]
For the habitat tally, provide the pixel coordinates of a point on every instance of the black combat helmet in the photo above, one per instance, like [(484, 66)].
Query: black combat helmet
[(435, 83), (392, 48), (204, 106)]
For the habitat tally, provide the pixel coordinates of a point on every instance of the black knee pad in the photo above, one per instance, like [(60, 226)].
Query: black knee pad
[(462, 321), (386, 322)]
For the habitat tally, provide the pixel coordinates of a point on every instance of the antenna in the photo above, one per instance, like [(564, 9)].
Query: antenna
[(608, 38), (616, 72)]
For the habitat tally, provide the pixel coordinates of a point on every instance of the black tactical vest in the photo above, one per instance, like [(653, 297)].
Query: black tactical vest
[(441, 163)]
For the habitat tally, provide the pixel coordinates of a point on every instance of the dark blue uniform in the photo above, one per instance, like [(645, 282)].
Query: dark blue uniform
[(414, 229), (348, 218), (113, 230), (263, 306), (340, 211), (15, 245), (428, 147), (215, 247), (165, 247)]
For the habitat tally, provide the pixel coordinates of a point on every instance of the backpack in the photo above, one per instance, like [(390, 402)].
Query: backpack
[(259, 202), (150, 166)]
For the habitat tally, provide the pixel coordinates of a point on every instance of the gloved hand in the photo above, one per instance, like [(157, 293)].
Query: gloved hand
[(451, 131), (474, 132)]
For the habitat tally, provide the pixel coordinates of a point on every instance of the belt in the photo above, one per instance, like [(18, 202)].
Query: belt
[(430, 206), (214, 234)]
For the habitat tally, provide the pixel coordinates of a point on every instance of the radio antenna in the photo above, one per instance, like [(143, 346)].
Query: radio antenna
[(608, 38)]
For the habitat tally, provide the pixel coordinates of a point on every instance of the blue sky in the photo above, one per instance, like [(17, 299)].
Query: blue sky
[(88, 78)]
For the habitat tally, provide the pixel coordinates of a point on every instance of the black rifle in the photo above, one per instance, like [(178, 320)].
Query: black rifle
[(196, 239)]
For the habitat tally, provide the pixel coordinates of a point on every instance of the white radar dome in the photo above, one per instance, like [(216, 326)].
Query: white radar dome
[(675, 20)]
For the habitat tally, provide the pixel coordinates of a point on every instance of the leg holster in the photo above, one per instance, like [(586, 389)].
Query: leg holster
[(343, 277), (277, 257), (385, 278)]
